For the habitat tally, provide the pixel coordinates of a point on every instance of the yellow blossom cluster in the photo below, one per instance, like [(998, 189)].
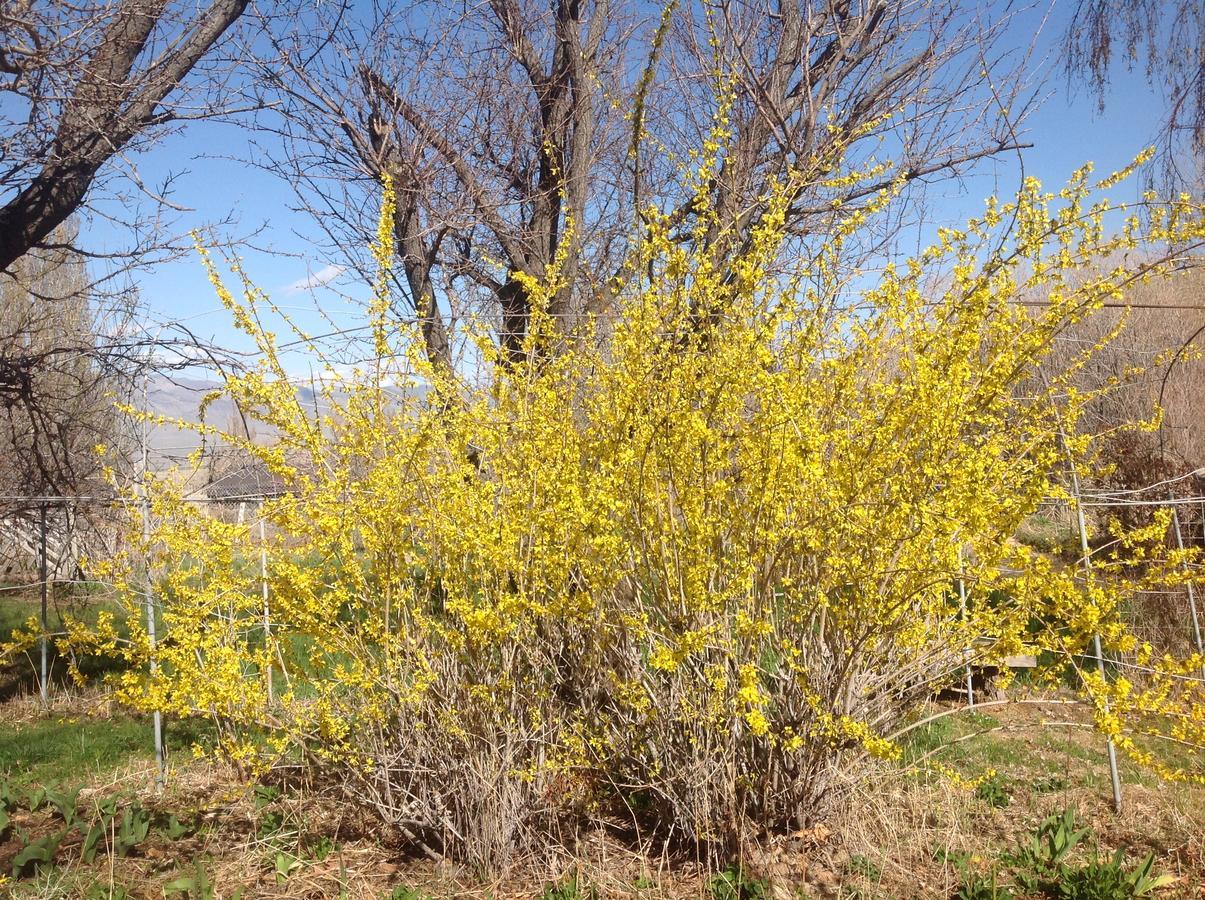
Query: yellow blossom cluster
[(703, 558)]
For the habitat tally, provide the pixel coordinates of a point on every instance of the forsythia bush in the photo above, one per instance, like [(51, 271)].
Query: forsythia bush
[(675, 571)]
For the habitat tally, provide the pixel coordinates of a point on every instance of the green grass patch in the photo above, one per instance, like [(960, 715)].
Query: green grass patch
[(20, 674), (69, 750), (58, 749), (19, 604), (939, 737), (15, 609)]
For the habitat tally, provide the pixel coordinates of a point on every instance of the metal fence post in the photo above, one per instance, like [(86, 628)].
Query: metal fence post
[(263, 579), (966, 651), (156, 716), (1114, 775), (44, 578), (1192, 598)]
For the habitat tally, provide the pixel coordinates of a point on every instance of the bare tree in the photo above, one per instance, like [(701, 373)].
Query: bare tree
[(56, 406), (84, 83), (1167, 40), (70, 359), (517, 129), (57, 377)]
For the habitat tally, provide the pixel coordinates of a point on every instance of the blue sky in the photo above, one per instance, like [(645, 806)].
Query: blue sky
[(214, 181)]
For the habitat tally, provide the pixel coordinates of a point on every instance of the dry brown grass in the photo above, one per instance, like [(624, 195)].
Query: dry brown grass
[(899, 823), (883, 843)]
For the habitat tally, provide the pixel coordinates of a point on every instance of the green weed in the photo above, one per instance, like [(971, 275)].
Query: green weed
[(196, 886), (734, 884), (569, 889), (1042, 866), (407, 893), (866, 867), (993, 792)]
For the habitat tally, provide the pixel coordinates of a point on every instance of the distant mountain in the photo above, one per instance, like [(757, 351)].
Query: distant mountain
[(180, 398)]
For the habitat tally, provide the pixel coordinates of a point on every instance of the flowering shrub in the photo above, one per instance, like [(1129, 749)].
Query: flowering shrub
[(676, 570)]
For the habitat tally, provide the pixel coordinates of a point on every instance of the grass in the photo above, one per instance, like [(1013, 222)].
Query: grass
[(245, 841), (956, 741), (17, 606), (971, 744), (19, 602), (59, 749), (52, 749), (1050, 533)]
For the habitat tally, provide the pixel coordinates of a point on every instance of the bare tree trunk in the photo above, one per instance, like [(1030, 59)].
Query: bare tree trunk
[(112, 102)]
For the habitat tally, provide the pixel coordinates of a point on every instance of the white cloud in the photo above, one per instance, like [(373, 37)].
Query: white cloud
[(325, 275)]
